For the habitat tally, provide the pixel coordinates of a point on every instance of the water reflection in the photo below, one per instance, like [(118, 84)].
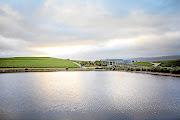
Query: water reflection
[(59, 92), (88, 95)]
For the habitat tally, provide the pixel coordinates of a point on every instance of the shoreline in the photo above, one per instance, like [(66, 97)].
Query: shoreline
[(155, 73), (16, 70)]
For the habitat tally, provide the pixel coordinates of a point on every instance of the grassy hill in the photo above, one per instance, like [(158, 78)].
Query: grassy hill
[(36, 62), (143, 63), (169, 63)]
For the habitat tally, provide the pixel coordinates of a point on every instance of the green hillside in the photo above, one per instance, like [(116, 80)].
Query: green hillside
[(143, 63), (170, 63), (36, 62)]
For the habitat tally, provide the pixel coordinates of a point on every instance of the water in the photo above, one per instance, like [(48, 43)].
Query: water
[(88, 96)]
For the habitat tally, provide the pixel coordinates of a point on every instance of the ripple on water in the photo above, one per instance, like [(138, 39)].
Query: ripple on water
[(88, 95)]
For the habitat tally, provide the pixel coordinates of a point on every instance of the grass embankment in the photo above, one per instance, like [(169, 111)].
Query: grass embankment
[(169, 63), (36, 62), (171, 66), (143, 63), (172, 70)]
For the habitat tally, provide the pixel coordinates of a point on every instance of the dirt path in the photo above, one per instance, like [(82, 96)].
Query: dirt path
[(156, 64), (77, 64)]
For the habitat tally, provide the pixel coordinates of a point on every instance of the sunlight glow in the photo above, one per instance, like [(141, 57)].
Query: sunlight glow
[(80, 49), (52, 51)]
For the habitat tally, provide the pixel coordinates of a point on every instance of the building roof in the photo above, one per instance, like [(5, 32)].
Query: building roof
[(103, 60), (111, 60), (118, 61)]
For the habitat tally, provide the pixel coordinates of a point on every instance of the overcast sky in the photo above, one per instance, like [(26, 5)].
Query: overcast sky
[(89, 29)]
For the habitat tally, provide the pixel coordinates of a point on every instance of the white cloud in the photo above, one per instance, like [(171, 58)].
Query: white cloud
[(7, 11), (99, 23), (72, 13), (13, 47), (89, 28)]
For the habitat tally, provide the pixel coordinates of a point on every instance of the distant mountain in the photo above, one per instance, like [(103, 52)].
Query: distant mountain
[(160, 58)]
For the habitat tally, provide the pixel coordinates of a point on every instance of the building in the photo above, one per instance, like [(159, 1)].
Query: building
[(117, 62)]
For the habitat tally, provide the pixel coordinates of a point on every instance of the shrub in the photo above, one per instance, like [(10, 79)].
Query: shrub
[(98, 68), (165, 70), (128, 68), (132, 69), (137, 69), (155, 69), (143, 69), (175, 71)]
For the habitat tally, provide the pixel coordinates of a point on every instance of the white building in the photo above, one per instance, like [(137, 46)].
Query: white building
[(117, 62)]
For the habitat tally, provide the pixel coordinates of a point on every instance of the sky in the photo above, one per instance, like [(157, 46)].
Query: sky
[(89, 29)]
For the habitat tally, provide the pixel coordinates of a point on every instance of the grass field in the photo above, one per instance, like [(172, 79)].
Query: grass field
[(35, 62), (169, 63), (143, 63)]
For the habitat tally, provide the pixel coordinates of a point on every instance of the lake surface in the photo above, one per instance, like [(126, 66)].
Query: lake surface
[(88, 95)]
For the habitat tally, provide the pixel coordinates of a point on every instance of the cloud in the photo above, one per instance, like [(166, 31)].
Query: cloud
[(86, 29), (13, 47), (73, 13), (97, 24)]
